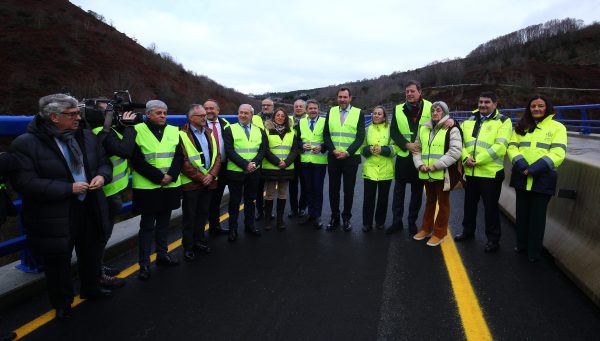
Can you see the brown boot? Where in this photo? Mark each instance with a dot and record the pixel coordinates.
(267, 214)
(280, 210)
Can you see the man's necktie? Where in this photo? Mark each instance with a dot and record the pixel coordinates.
(312, 125)
(247, 131)
(215, 132)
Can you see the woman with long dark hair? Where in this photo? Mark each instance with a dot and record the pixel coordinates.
(537, 147)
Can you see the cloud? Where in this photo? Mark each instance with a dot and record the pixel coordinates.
(266, 45)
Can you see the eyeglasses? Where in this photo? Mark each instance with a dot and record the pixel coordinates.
(71, 114)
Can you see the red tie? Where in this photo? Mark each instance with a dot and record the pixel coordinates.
(215, 133)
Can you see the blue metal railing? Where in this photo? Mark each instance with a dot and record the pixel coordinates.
(583, 125)
(11, 126)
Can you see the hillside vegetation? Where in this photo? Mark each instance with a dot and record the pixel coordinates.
(52, 45)
(536, 59)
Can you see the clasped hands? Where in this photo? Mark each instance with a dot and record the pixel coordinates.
(82, 187)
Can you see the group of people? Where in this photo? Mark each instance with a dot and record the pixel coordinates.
(72, 178)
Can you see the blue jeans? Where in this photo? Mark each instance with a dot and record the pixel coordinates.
(314, 177)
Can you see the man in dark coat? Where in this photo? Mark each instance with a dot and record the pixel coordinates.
(62, 171)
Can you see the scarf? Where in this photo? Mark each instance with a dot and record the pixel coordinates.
(279, 127)
(68, 137)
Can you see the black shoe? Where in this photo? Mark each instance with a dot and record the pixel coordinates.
(302, 213)
(412, 228)
(144, 273)
(63, 313)
(293, 213)
(95, 294)
(347, 225)
(111, 282)
(318, 224)
(217, 229)
(167, 260)
(308, 221)
(367, 228)
(253, 231)
(189, 256)
(491, 247)
(394, 228)
(109, 271)
(380, 227)
(461, 237)
(517, 249)
(333, 224)
(232, 235)
(202, 248)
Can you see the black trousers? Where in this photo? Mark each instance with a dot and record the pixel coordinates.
(531, 221)
(488, 189)
(153, 225)
(371, 196)
(295, 203)
(245, 187)
(314, 177)
(86, 237)
(260, 192)
(214, 210)
(339, 169)
(416, 198)
(194, 206)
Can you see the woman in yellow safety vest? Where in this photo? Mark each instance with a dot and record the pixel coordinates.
(278, 164)
(536, 149)
(438, 152)
(378, 170)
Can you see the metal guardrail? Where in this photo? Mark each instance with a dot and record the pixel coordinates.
(583, 125)
(11, 126)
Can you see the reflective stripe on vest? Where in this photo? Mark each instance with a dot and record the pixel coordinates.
(158, 154)
(378, 167)
(482, 143)
(432, 152)
(195, 156)
(246, 148)
(313, 138)
(404, 128)
(120, 172)
(343, 136)
(280, 148)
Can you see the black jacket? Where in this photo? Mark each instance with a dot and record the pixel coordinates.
(354, 146)
(280, 174)
(158, 199)
(233, 156)
(46, 184)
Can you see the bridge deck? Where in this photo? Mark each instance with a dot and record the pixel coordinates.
(303, 284)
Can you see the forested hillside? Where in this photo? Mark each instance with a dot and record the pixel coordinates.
(51, 45)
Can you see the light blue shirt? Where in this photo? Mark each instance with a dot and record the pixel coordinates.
(344, 113)
(201, 137)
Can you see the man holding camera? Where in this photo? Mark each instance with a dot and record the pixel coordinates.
(117, 135)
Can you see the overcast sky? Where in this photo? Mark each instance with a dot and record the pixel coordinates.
(274, 45)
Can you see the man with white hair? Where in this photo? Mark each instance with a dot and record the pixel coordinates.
(157, 161)
(62, 171)
(245, 145)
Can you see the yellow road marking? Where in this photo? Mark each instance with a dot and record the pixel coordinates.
(38, 322)
(469, 310)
